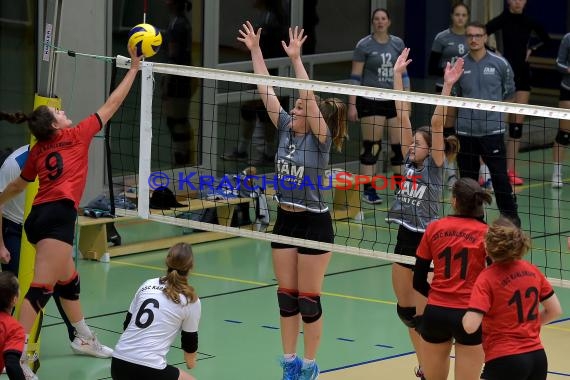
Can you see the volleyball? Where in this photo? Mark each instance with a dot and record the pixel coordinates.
(146, 39)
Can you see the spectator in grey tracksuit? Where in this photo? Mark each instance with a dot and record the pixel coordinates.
(563, 137)
(490, 77)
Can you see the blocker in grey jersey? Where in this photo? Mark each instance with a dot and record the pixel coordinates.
(418, 205)
(300, 167)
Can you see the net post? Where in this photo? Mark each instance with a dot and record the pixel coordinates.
(147, 84)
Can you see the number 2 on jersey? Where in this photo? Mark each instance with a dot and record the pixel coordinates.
(449, 258)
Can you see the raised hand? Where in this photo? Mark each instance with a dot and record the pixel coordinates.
(452, 74)
(135, 60)
(402, 62)
(296, 40)
(248, 36)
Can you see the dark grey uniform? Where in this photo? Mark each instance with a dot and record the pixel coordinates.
(415, 208)
(449, 46)
(300, 170)
(378, 72)
(562, 64)
(481, 133)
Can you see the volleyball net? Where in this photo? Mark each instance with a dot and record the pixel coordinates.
(194, 147)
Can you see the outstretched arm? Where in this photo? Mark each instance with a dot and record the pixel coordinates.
(14, 188)
(117, 97)
(403, 107)
(251, 40)
(452, 75)
(316, 121)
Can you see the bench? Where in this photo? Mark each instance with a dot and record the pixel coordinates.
(92, 232)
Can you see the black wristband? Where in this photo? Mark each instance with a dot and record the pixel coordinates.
(449, 132)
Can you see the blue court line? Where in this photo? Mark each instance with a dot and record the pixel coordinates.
(270, 327)
(560, 373)
(383, 346)
(559, 321)
(368, 362)
(345, 339)
(232, 321)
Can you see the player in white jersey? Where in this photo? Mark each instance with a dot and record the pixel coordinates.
(419, 195)
(161, 308)
(373, 66)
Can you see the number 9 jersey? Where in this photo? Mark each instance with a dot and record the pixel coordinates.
(61, 162)
(156, 321)
(508, 294)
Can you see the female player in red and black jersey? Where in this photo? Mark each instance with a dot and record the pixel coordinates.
(455, 244)
(506, 299)
(59, 160)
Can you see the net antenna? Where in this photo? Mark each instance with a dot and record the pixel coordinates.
(356, 238)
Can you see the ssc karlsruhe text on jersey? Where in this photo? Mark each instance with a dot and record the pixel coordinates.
(156, 321)
(379, 59)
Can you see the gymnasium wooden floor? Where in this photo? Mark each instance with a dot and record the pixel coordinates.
(239, 336)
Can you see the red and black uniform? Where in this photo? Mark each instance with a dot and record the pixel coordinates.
(509, 294)
(455, 244)
(12, 339)
(61, 166)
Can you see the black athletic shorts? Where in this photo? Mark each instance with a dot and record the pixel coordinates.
(407, 244)
(528, 366)
(52, 220)
(123, 370)
(442, 324)
(564, 94)
(308, 225)
(368, 107)
(522, 77)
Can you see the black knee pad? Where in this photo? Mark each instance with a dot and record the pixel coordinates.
(310, 308)
(288, 302)
(398, 157)
(38, 295)
(515, 130)
(563, 137)
(407, 315)
(69, 290)
(370, 152)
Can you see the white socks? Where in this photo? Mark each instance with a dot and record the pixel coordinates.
(83, 329)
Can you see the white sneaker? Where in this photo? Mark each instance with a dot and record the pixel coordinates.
(28, 373)
(557, 181)
(82, 345)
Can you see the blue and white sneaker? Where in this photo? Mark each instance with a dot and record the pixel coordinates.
(371, 197)
(291, 368)
(488, 186)
(309, 371)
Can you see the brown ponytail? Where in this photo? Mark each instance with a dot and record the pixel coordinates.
(40, 122)
(470, 198)
(179, 263)
(334, 112)
(9, 289)
(14, 118)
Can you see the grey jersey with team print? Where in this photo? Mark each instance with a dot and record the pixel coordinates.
(378, 60)
(563, 61)
(451, 46)
(418, 205)
(300, 167)
(490, 78)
